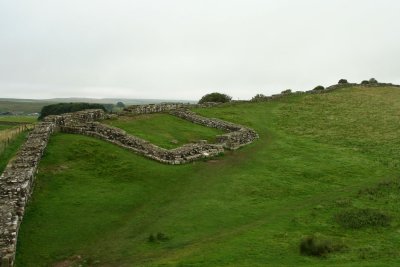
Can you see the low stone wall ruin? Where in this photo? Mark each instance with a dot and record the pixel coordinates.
(17, 180)
(180, 155)
(163, 107)
(16, 184)
(83, 116)
(236, 137)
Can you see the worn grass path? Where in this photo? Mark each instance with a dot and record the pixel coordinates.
(249, 207)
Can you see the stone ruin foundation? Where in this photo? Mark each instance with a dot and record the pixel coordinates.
(17, 180)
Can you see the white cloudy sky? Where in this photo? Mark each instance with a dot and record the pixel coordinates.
(183, 49)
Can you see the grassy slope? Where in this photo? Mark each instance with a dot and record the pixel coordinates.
(248, 208)
(162, 129)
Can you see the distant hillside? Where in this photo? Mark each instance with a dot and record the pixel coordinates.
(26, 106)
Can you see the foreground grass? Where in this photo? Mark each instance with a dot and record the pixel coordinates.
(250, 207)
(164, 130)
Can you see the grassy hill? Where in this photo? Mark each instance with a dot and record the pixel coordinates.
(325, 165)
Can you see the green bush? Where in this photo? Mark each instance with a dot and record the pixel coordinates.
(120, 104)
(57, 109)
(287, 91)
(365, 82)
(361, 218)
(318, 246)
(373, 81)
(215, 97)
(258, 98)
(343, 81)
(319, 88)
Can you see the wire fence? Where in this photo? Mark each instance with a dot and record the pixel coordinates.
(8, 135)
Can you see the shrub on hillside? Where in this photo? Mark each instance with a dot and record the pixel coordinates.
(61, 108)
(343, 81)
(319, 88)
(361, 218)
(120, 104)
(258, 98)
(215, 97)
(318, 246)
(372, 81)
(365, 82)
(287, 91)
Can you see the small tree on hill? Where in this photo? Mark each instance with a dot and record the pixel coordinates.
(365, 82)
(287, 91)
(343, 81)
(373, 81)
(215, 97)
(120, 105)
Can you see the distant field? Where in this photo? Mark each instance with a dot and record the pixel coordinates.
(18, 119)
(164, 130)
(324, 165)
(24, 107)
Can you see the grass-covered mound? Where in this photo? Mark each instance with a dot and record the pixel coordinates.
(97, 205)
(164, 130)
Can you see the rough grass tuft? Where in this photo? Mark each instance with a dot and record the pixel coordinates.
(318, 246)
(361, 218)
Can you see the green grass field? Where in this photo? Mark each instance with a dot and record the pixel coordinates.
(24, 107)
(319, 161)
(18, 119)
(164, 130)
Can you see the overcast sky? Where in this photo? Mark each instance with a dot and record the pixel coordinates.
(183, 49)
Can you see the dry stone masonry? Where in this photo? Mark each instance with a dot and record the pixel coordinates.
(236, 137)
(16, 185)
(163, 107)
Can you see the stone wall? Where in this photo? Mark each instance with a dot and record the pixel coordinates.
(180, 155)
(16, 185)
(83, 116)
(236, 137)
(163, 107)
